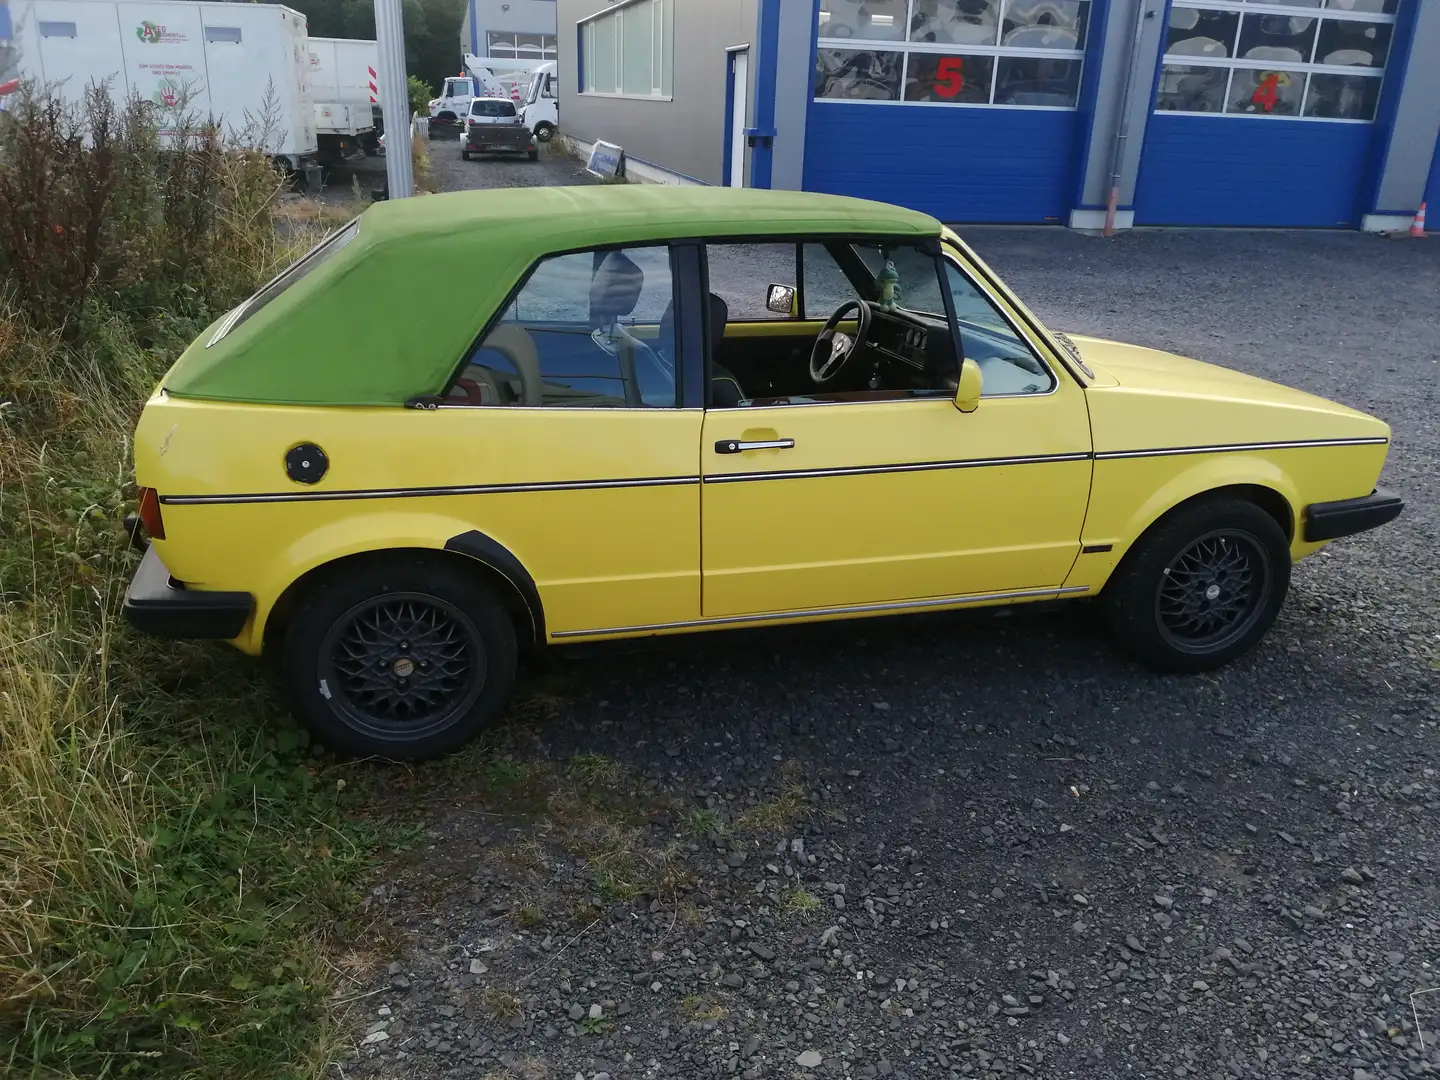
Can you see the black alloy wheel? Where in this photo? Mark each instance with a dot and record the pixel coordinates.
(1213, 591)
(1201, 586)
(400, 656)
(403, 665)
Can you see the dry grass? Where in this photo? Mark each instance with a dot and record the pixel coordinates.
(701, 1008)
(799, 901)
(776, 815)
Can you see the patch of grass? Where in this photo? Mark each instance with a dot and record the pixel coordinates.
(702, 824)
(595, 770)
(699, 1007)
(799, 901)
(598, 1025)
(500, 1004)
(775, 815)
(530, 916)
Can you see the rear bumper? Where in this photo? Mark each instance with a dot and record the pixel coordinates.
(157, 604)
(504, 144)
(1330, 520)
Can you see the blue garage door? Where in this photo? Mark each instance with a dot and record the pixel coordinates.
(1263, 117)
(952, 108)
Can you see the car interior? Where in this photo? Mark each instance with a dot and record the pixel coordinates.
(870, 346)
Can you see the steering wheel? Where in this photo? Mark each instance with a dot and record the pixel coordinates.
(833, 349)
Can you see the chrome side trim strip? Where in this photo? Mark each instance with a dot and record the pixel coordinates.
(1233, 448)
(426, 492)
(919, 466)
(858, 609)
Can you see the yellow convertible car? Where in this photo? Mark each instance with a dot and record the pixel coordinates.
(658, 410)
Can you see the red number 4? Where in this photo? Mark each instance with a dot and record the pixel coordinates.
(949, 80)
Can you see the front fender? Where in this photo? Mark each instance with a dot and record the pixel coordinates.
(1128, 495)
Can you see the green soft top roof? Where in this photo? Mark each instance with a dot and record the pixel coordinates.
(388, 316)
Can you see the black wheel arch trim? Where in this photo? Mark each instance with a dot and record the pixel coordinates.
(1346, 517)
(491, 553)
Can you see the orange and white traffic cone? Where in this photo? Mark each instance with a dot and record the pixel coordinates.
(1417, 227)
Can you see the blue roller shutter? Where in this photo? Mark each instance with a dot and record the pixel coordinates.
(954, 108)
(1264, 117)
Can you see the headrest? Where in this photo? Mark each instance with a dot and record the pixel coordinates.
(615, 288)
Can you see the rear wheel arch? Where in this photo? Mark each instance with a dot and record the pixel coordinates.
(472, 552)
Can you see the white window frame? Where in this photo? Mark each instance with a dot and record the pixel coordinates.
(662, 48)
(1229, 64)
(997, 51)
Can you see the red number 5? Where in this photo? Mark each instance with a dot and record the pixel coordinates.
(948, 78)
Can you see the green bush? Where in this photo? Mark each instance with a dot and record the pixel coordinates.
(420, 95)
(172, 860)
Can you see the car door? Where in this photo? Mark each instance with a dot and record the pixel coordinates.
(885, 493)
(580, 460)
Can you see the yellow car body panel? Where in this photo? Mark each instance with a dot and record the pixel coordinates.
(629, 524)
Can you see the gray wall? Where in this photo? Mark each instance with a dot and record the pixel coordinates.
(686, 134)
(525, 16)
(793, 83)
(1412, 141)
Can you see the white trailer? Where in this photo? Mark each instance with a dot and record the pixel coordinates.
(242, 64)
(343, 86)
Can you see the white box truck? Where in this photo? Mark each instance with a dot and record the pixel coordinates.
(220, 60)
(343, 86)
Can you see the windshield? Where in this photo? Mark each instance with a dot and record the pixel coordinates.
(533, 95)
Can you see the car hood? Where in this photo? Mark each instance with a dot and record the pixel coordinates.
(1155, 398)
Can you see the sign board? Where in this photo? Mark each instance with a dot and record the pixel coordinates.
(606, 159)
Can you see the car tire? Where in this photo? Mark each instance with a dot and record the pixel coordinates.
(545, 132)
(1201, 586)
(533, 155)
(400, 658)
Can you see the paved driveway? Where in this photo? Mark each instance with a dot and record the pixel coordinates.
(982, 846)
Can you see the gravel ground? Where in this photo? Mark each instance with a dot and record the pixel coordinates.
(980, 846)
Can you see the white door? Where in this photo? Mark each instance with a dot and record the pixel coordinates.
(740, 105)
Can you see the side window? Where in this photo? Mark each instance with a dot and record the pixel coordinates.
(1007, 363)
(590, 329)
(826, 286)
(741, 274)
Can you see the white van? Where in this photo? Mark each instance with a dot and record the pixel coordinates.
(541, 111)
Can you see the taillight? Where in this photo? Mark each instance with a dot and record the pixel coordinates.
(150, 514)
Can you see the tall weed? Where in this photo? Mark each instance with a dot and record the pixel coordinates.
(171, 860)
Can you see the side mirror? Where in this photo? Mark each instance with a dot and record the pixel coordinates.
(781, 299)
(967, 395)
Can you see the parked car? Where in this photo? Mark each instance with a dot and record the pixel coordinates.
(592, 448)
(495, 126)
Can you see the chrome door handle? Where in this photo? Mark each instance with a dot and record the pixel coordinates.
(736, 446)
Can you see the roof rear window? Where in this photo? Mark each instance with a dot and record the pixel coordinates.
(492, 107)
(286, 278)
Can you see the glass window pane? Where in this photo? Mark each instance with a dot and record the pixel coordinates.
(1282, 38)
(1378, 7)
(1037, 80)
(1187, 88)
(587, 49)
(636, 50)
(1045, 24)
(740, 274)
(1195, 32)
(875, 20)
(1268, 93)
(851, 73)
(962, 79)
(586, 329)
(1290, 3)
(966, 22)
(1007, 364)
(1342, 97)
(1356, 44)
(826, 286)
(667, 46)
(604, 69)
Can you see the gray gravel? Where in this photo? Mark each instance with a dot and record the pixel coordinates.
(1011, 851)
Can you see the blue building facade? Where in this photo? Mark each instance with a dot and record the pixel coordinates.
(1292, 113)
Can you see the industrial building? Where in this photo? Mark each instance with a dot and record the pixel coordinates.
(1299, 113)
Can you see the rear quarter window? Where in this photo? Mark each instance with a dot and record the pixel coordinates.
(316, 256)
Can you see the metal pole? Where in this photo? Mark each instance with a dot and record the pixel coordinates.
(394, 98)
(1122, 130)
